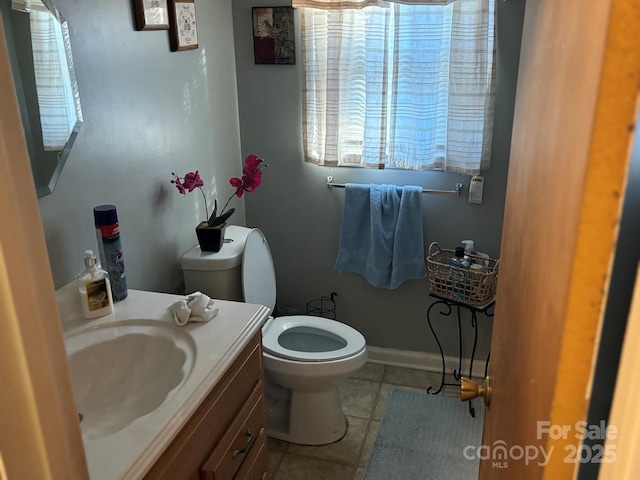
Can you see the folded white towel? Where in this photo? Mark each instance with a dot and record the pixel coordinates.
(196, 307)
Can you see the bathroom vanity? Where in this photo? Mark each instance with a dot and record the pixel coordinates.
(162, 401)
(226, 437)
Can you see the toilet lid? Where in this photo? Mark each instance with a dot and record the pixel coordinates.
(311, 339)
(258, 274)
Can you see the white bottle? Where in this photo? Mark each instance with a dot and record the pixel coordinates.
(94, 288)
(483, 259)
(468, 250)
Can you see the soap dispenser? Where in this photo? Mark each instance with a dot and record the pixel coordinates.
(94, 288)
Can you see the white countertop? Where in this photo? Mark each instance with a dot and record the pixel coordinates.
(130, 452)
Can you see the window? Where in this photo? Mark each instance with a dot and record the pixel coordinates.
(407, 85)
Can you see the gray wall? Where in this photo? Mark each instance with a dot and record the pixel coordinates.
(301, 217)
(148, 112)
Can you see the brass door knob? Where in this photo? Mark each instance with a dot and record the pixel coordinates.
(470, 390)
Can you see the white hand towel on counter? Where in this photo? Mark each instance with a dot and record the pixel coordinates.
(196, 307)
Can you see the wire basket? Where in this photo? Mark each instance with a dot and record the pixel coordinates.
(323, 307)
(475, 288)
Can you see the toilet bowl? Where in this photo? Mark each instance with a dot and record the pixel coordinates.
(305, 357)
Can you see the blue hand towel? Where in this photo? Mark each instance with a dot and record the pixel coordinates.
(381, 235)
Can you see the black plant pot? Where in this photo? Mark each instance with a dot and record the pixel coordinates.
(210, 238)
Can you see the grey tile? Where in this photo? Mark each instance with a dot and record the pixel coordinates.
(359, 475)
(434, 379)
(276, 445)
(274, 462)
(296, 467)
(345, 450)
(408, 377)
(381, 404)
(358, 397)
(374, 426)
(451, 391)
(449, 378)
(370, 371)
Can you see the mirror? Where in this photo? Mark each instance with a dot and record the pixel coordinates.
(37, 37)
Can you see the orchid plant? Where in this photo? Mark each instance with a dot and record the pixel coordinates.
(251, 179)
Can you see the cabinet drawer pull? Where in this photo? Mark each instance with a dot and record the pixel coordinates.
(246, 445)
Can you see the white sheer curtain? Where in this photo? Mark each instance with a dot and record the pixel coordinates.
(406, 85)
(58, 114)
(345, 4)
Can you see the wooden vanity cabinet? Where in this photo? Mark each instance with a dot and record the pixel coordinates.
(225, 439)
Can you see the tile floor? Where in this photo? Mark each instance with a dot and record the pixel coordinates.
(364, 398)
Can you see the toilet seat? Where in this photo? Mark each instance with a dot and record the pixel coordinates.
(259, 286)
(337, 333)
(258, 273)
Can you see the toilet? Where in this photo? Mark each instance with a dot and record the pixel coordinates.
(305, 357)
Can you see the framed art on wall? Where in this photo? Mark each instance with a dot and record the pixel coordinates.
(151, 14)
(273, 35)
(183, 34)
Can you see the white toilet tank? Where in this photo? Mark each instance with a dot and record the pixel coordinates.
(217, 274)
(242, 270)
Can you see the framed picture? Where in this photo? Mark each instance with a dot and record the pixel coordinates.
(183, 34)
(273, 36)
(151, 14)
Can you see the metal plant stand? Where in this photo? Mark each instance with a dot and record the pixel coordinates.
(447, 307)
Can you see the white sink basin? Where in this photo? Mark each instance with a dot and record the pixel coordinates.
(126, 369)
(138, 377)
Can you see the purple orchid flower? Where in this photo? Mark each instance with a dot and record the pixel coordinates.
(251, 179)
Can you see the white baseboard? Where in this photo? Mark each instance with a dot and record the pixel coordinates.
(423, 360)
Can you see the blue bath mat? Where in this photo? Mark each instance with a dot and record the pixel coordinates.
(423, 437)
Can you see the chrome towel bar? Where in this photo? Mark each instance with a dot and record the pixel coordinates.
(455, 192)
